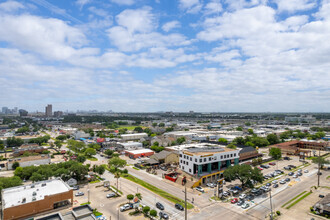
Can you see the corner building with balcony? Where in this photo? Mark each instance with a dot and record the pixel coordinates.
(207, 163)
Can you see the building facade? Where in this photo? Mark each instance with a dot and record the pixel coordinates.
(49, 110)
(28, 200)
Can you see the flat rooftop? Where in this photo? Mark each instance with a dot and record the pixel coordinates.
(195, 145)
(141, 151)
(14, 196)
(132, 135)
(208, 150)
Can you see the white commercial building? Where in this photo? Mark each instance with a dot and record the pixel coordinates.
(203, 158)
(29, 161)
(137, 136)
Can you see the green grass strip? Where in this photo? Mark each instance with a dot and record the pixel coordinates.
(293, 199)
(298, 200)
(156, 190)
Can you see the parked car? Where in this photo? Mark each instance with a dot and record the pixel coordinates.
(299, 171)
(163, 215)
(110, 195)
(286, 158)
(225, 193)
(292, 166)
(163, 168)
(160, 206)
(80, 194)
(240, 202)
(260, 168)
(321, 196)
(199, 188)
(75, 188)
(264, 166)
(291, 174)
(275, 185)
(272, 163)
(282, 182)
(299, 174)
(234, 200)
(295, 176)
(274, 181)
(245, 205)
(249, 197)
(178, 206)
(306, 171)
(279, 171)
(125, 207)
(242, 196)
(287, 168)
(287, 179)
(268, 184)
(319, 173)
(211, 185)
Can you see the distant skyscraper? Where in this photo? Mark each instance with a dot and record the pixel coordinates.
(15, 110)
(23, 112)
(49, 111)
(4, 110)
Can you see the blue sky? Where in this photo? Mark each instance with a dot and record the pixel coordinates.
(137, 55)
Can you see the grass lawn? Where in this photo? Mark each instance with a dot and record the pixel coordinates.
(158, 191)
(298, 200)
(130, 127)
(293, 199)
(117, 190)
(95, 181)
(135, 168)
(85, 203)
(92, 158)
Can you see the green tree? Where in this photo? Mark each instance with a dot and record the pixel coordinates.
(117, 176)
(61, 137)
(161, 124)
(250, 131)
(223, 140)
(157, 148)
(15, 165)
(94, 146)
(108, 152)
(24, 129)
(239, 128)
(14, 142)
(116, 162)
(244, 173)
(58, 144)
(320, 160)
(231, 146)
(7, 182)
(139, 196)
(239, 141)
(2, 146)
(81, 159)
(130, 197)
(36, 177)
(154, 124)
(275, 153)
(180, 140)
(259, 141)
(169, 129)
(146, 210)
(90, 152)
(272, 139)
(138, 129)
(247, 124)
(99, 169)
(249, 143)
(153, 213)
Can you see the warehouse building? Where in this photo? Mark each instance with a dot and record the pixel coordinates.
(23, 201)
(29, 161)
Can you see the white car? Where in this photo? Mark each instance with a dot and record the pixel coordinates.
(305, 171)
(274, 182)
(111, 195)
(210, 185)
(125, 207)
(198, 188)
(102, 218)
(245, 206)
(80, 194)
(242, 196)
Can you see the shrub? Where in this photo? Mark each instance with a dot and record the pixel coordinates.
(278, 213)
(125, 171)
(311, 208)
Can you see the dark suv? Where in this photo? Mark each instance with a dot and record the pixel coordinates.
(160, 206)
(178, 206)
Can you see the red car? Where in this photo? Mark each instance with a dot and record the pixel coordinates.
(234, 200)
(260, 168)
(272, 163)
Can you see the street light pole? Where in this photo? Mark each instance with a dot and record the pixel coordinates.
(185, 202)
(318, 172)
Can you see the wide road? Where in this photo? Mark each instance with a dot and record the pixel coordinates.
(263, 209)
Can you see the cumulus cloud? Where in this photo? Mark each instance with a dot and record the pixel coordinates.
(123, 2)
(190, 6)
(295, 5)
(10, 6)
(171, 25)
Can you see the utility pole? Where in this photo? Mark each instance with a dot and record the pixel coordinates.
(185, 202)
(318, 172)
(271, 206)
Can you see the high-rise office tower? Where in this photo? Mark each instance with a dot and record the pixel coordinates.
(49, 111)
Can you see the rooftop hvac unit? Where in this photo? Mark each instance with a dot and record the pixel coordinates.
(44, 184)
(32, 186)
(34, 198)
(23, 200)
(34, 193)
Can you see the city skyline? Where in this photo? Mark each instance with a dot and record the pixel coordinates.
(148, 56)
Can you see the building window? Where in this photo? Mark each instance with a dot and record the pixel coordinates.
(225, 156)
(180, 161)
(200, 160)
(234, 154)
(183, 167)
(210, 158)
(189, 170)
(190, 158)
(221, 157)
(231, 155)
(187, 163)
(184, 156)
(180, 155)
(215, 158)
(196, 160)
(204, 159)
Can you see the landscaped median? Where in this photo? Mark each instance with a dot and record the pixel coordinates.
(156, 190)
(296, 199)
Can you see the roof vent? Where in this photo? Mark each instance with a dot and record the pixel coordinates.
(34, 193)
(32, 186)
(23, 200)
(34, 198)
(44, 184)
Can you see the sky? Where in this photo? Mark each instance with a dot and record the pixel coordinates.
(166, 55)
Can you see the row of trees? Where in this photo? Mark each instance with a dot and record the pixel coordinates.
(40, 140)
(252, 141)
(65, 170)
(244, 173)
